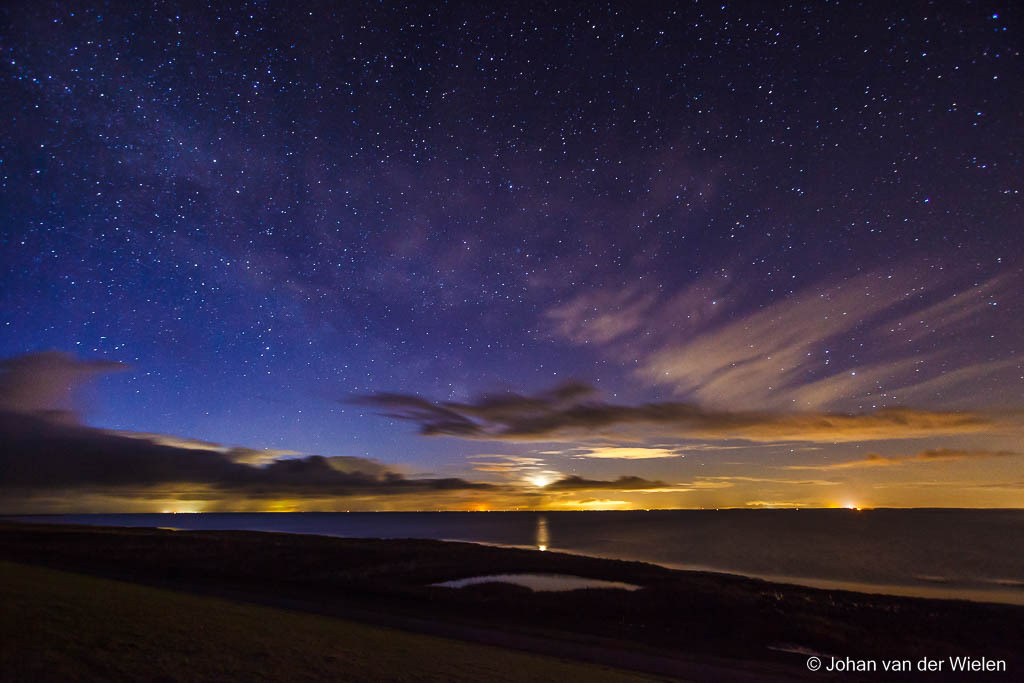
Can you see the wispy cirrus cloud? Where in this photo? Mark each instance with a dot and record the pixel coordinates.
(883, 339)
(619, 452)
(526, 470)
(926, 456)
(252, 456)
(600, 318)
(505, 463)
(1000, 485)
(956, 484)
(731, 480)
(795, 352)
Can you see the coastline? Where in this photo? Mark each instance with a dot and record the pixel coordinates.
(677, 619)
(924, 583)
(1009, 596)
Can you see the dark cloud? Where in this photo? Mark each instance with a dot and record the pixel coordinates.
(624, 483)
(45, 382)
(40, 454)
(567, 413)
(467, 419)
(960, 454)
(43, 448)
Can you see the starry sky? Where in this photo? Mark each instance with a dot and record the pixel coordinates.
(576, 256)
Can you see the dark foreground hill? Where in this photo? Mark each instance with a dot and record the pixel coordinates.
(695, 625)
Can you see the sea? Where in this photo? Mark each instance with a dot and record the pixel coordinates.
(939, 553)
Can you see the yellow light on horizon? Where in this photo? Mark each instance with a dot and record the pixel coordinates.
(191, 510)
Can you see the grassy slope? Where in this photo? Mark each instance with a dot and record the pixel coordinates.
(702, 623)
(60, 626)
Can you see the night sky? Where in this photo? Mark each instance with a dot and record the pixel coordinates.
(576, 257)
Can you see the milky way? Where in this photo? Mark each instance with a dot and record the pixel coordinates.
(267, 209)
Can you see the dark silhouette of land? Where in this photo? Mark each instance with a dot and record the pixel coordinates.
(695, 625)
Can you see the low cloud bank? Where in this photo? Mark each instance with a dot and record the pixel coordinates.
(43, 447)
(40, 454)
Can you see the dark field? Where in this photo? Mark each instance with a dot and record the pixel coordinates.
(686, 624)
(63, 626)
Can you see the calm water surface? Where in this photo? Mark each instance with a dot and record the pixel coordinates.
(970, 554)
(541, 582)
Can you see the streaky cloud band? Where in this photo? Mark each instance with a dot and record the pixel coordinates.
(567, 413)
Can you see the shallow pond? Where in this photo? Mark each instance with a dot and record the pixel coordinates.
(541, 582)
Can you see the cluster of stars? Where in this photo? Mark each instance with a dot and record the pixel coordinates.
(266, 209)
